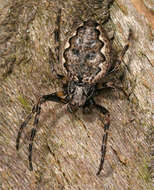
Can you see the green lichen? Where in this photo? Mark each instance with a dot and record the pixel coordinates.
(24, 103)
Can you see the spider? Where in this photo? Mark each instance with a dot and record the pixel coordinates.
(86, 60)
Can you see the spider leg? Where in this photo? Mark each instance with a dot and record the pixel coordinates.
(37, 109)
(52, 61)
(55, 97)
(126, 46)
(109, 85)
(104, 111)
(55, 57)
(21, 129)
(57, 33)
(122, 53)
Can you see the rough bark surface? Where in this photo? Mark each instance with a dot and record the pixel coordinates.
(66, 150)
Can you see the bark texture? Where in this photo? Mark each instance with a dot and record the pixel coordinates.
(66, 152)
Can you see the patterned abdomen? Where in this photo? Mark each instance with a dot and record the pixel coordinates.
(84, 57)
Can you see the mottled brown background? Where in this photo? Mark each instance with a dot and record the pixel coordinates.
(66, 151)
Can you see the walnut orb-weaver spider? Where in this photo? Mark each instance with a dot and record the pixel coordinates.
(86, 60)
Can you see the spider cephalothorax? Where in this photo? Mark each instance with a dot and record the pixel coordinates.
(79, 94)
(86, 59)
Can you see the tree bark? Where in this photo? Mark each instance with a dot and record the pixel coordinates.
(67, 147)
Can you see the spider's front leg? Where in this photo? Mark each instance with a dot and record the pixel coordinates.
(55, 97)
(103, 111)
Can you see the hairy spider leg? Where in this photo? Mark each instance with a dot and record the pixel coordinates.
(55, 97)
(57, 38)
(53, 60)
(57, 59)
(21, 129)
(109, 85)
(122, 53)
(126, 46)
(57, 29)
(104, 111)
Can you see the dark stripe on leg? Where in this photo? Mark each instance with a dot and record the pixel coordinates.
(33, 133)
(23, 125)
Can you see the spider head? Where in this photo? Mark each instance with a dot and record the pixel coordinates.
(78, 93)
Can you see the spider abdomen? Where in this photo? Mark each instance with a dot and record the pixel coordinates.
(87, 57)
